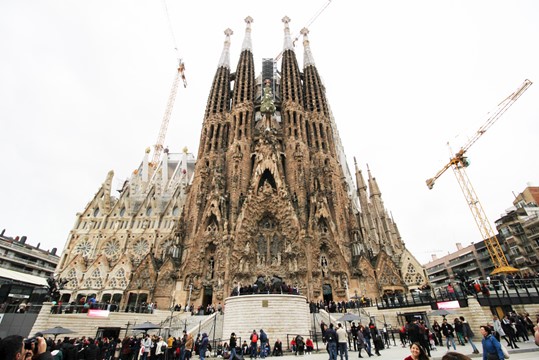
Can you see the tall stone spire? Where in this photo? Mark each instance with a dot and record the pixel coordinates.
(245, 73)
(247, 43)
(288, 44)
(215, 130)
(225, 55)
(241, 121)
(307, 53)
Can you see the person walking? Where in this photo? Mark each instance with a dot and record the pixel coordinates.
(361, 342)
(342, 337)
(492, 349)
(468, 334)
(449, 334)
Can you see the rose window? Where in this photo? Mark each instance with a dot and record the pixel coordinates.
(84, 248)
(112, 248)
(140, 247)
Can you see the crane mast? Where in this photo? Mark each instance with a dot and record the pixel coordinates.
(158, 147)
(459, 162)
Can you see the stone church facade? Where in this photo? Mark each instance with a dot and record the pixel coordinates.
(269, 199)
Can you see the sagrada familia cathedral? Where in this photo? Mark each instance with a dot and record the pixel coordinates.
(268, 200)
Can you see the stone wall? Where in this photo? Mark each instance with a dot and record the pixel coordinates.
(278, 315)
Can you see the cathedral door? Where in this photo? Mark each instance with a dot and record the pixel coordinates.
(328, 293)
(208, 296)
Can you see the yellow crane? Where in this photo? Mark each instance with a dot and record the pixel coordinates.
(459, 162)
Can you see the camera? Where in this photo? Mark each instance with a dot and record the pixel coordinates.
(29, 343)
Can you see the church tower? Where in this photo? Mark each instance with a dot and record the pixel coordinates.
(269, 203)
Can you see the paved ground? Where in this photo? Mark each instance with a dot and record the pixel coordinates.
(527, 351)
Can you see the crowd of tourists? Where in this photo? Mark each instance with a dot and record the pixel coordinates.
(339, 306)
(513, 328)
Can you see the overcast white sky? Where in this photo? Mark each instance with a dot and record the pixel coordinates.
(84, 85)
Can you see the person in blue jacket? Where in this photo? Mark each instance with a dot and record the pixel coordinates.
(492, 349)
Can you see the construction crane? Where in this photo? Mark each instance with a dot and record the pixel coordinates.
(315, 16)
(158, 147)
(459, 162)
(180, 74)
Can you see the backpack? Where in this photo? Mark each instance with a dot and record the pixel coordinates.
(163, 348)
(254, 338)
(263, 337)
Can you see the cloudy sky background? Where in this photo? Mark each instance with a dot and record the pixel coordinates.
(84, 85)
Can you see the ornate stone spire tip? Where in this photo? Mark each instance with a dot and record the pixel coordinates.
(248, 20)
(229, 32)
(304, 31)
(286, 20)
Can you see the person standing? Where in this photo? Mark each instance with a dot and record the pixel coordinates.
(146, 344)
(189, 343)
(13, 348)
(458, 331)
(353, 332)
(451, 292)
(331, 338)
(203, 346)
(468, 334)
(160, 348)
(254, 344)
(437, 329)
(417, 353)
(263, 343)
(507, 327)
(449, 334)
(233, 343)
(342, 338)
(492, 349)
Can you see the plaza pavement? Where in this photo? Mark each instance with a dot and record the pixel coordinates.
(527, 351)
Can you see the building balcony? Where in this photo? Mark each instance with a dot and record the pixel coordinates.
(438, 278)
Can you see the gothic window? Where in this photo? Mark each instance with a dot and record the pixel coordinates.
(84, 248)
(72, 277)
(88, 283)
(149, 211)
(411, 269)
(96, 212)
(96, 273)
(212, 224)
(120, 273)
(419, 279)
(113, 283)
(176, 211)
(409, 279)
(122, 211)
(98, 283)
(323, 226)
(111, 249)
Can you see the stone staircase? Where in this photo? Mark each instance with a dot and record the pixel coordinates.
(82, 325)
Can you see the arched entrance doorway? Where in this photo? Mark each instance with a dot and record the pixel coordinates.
(327, 292)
